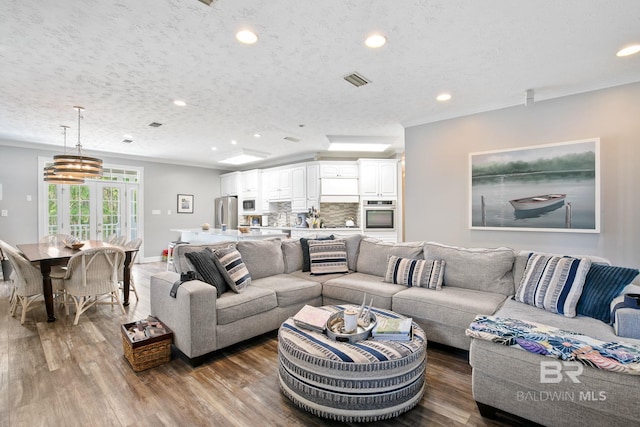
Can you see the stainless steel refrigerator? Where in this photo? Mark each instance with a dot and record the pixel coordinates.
(226, 212)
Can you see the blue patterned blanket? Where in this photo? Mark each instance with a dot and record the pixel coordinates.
(557, 343)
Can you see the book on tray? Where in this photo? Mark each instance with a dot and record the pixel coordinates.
(313, 318)
(393, 329)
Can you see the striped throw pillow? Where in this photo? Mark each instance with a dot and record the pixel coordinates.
(234, 271)
(553, 283)
(328, 256)
(415, 272)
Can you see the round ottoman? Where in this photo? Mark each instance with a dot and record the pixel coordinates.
(365, 381)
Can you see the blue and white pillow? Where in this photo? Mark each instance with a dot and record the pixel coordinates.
(328, 256)
(553, 283)
(415, 272)
(233, 269)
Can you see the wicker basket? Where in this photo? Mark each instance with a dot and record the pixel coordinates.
(147, 353)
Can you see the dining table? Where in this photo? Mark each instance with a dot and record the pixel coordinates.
(50, 254)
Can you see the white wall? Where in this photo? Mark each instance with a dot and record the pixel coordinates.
(19, 177)
(437, 171)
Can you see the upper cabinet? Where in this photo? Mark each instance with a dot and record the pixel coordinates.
(229, 184)
(338, 170)
(379, 178)
(313, 185)
(298, 189)
(279, 185)
(249, 184)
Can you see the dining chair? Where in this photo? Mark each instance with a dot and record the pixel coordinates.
(92, 276)
(120, 240)
(132, 244)
(54, 239)
(110, 238)
(27, 281)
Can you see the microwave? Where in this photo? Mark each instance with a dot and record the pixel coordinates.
(249, 205)
(379, 215)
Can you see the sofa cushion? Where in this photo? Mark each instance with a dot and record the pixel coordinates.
(374, 253)
(328, 257)
(262, 257)
(352, 288)
(292, 254)
(206, 267)
(353, 247)
(304, 243)
(415, 272)
(450, 306)
(232, 306)
(229, 261)
(318, 279)
(553, 283)
(602, 284)
(290, 289)
(481, 269)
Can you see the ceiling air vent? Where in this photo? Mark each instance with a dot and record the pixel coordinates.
(292, 139)
(127, 141)
(356, 79)
(155, 124)
(208, 2)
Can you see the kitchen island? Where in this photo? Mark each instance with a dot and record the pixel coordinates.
(198, 235)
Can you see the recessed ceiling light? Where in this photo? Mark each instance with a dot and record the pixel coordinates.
(257, 135)
(179, 103)
(629, 50)
(246, 37)
(443, 97)
(214, 148)
(375, 41)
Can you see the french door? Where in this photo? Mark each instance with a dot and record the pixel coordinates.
(93, 210)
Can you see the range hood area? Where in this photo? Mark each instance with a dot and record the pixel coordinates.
(339, 190)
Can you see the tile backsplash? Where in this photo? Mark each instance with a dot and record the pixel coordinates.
(332, 214)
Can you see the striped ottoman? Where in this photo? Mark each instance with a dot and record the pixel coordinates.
(360, 382)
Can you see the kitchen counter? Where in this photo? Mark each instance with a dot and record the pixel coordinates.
(198, 235)
(331, 229)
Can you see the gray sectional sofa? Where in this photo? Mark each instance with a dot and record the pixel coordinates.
(476, 281)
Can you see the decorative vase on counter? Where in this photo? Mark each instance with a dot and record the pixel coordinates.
(205, 226)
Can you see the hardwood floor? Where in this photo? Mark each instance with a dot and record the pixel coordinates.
(57, 374)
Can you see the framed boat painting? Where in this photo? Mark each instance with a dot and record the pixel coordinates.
(551, 187)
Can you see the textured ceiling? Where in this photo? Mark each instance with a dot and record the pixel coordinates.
(126, 61)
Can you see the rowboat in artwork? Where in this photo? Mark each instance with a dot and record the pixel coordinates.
(537, 202)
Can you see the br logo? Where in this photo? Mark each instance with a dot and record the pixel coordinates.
(555, 371)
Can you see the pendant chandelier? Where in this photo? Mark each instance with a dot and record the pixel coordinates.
(77, 165)
(51, 177)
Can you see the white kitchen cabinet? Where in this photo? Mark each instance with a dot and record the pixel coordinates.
(249, 184)
(299, 189)
(379, 178)
(229, 184)
(338, 169)
(313, 186)
(279, 185)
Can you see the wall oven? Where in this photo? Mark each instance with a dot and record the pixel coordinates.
(379, 215)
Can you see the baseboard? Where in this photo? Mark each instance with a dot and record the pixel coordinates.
(151, 259)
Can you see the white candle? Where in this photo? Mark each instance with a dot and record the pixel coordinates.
(350, 320)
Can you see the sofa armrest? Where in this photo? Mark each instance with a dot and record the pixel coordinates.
(191, 315)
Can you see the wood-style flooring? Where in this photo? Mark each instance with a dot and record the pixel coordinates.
(57, 374)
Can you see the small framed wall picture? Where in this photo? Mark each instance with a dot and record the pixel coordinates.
(185, 203)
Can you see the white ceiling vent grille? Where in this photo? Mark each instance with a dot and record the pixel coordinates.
(208, 2)
(292, 139)
(155, 124)
(356, 79)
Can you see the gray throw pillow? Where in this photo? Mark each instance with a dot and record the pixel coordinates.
(206, 268)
